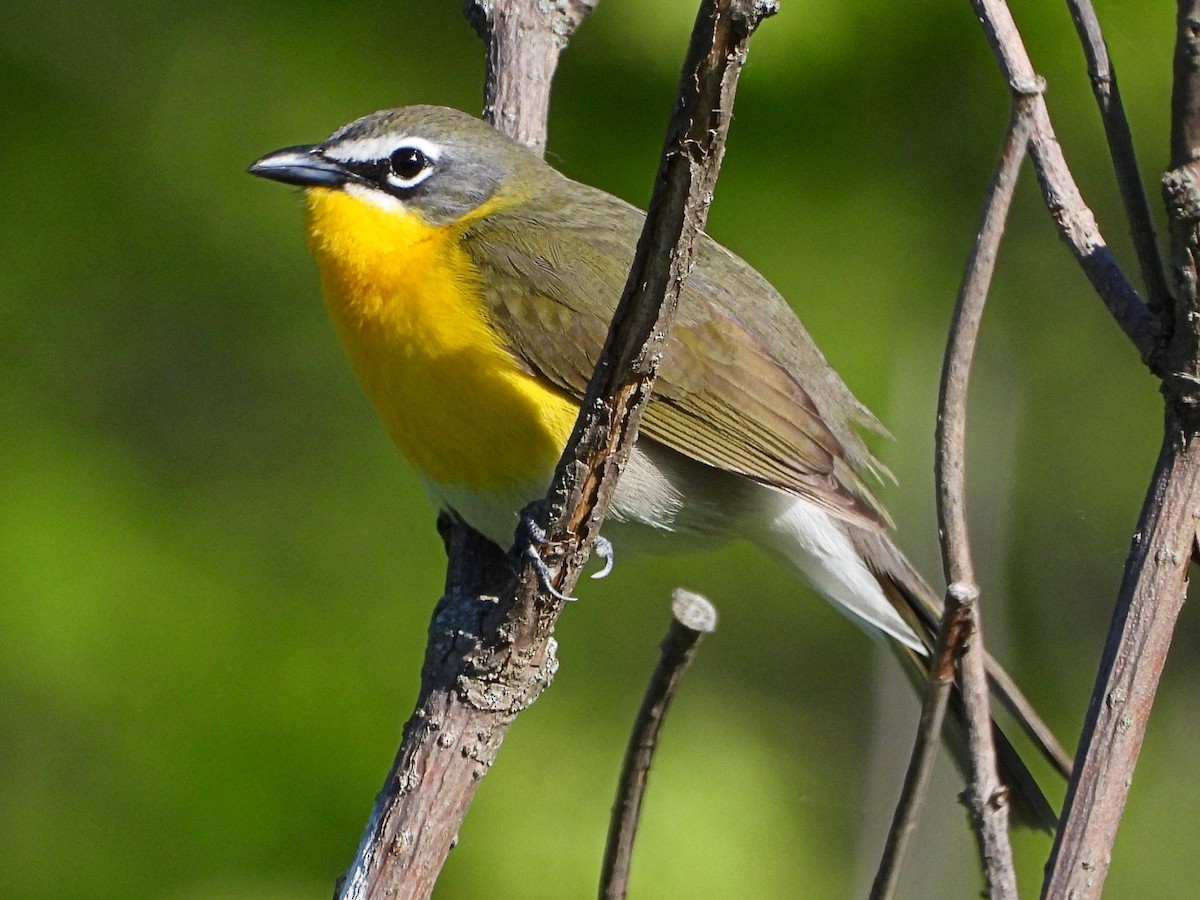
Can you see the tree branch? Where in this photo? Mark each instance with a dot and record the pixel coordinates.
(524, 39)
(960, 630)
(1152, 594)
(491, 649)
(1076, 222)
(624, 377)
(1120, 147)
(470, 694)
(1156, 577)
(692, 617)
(959, 639)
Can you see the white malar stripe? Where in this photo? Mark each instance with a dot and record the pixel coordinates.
(380, 198)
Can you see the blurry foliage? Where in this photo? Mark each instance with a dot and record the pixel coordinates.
(215, 575)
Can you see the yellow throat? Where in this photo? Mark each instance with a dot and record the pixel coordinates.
(407, 302)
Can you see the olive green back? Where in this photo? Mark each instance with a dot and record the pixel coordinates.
(741, 387)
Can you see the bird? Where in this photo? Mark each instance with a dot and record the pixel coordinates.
(472, 285)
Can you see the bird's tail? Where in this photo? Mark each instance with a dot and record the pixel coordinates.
(919, 606)
(866, 577)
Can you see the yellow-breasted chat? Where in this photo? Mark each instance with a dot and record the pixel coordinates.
(472, 286)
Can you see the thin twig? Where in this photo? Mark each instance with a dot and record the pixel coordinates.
(1120, 147)
(958, 633)
(693, 616)
(961, 622)
(916, 780)
(491, 649)
(1156, 572)
(1076, 222)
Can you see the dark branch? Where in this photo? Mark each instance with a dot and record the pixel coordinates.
(1076, 222)
(1185, 95)
(624, 377)
(1120, 147)
(693, 616)
(916, 781)
(959, 637)
(491, 650)
(1156, 572)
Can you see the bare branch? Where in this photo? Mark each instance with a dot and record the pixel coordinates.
(959, 637)
(1152, 595)
(1181, 191)
(621, 385)
(960, 352)
(470, 694)
(916, 780)
(524, 39)
(1156, 576)
(1120, 147)
(1006, 692)
(1185, 97)
(491, 649)
(1076, 222)
(693, 616)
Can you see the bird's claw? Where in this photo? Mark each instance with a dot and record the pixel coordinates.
(532, 536)
(543, 574)
(603, 548)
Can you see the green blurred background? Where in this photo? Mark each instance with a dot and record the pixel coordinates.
(216, 574)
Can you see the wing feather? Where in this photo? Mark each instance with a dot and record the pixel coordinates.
(742, 387)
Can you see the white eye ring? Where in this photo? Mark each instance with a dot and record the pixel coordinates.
(408, 167)
(411, 162)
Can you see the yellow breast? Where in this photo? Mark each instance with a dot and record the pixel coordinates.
(407, 303)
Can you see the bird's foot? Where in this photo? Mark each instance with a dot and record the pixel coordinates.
(531, 537)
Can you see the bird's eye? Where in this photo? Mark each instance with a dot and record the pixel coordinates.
(408, 163)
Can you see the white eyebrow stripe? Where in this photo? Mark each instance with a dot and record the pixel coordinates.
(376, 148)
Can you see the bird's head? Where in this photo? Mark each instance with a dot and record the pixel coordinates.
(439, 163)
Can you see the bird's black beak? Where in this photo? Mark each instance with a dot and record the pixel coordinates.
(304, 166)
